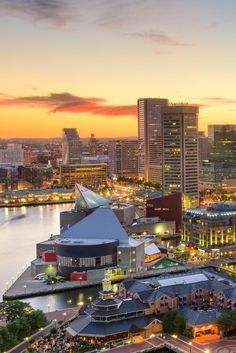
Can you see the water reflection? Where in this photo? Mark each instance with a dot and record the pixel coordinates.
(20, 230)
(63, 300)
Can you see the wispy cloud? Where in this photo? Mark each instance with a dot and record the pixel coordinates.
(57, 12)
(219, 100)
(209, 102)
(67, 102)
(160, 39)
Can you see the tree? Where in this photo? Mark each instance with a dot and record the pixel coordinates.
(227, 322)
(13, 310)
(25, 329)
(36, 319)
(14, 327)
(174, 322)
(179, 322)
(7, 340)
(188, 332)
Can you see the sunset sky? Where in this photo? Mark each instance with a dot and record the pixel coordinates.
(84, 63)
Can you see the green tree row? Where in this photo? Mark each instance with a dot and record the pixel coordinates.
(174, 322)
(21, 321)
(227, 322)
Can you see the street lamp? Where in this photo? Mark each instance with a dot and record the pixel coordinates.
(49, 307)
(64, 314)
(190, 346)
(25, 287)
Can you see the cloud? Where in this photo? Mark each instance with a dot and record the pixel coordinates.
(57, 12)
(209, 102)
(67, 102)
(219, 100)
(160, 39)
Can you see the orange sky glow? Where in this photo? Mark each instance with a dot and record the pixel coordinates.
(81, 64)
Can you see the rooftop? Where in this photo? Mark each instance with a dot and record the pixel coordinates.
(199, 317)
(85, 198)
(215, 210)
(38, 192)
(102, 223)
(80, 242)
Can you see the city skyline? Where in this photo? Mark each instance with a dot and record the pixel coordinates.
(84, 65)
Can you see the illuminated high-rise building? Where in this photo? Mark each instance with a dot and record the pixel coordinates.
(150, 138)
(202, 146)
(123, 158)
(71, 146)
(180, 150)
(221, 164)
(222, 144)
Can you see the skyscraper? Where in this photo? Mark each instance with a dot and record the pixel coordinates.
(180, 150)
(202, 146)
(123, 158)
(221, 154)
(150, 138)
(71, 146)
(13, 154)
(222, 144)
(93, 145)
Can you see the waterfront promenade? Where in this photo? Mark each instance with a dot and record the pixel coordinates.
(25, 286)
(54, 318)
(179, 345)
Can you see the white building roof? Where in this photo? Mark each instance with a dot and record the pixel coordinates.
(85, 198)
(131, 243)
(185, 279)
(152, 249)
(102, 223)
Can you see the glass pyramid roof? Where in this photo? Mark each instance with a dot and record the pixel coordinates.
(85, 198)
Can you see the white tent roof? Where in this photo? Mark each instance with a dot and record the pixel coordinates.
(102, 223)
(151, 249)
(185, 279)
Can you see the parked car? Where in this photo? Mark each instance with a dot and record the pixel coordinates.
(41, 276)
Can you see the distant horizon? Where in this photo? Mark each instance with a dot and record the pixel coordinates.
(60, 137)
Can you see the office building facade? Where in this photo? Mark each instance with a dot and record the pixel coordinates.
(180, 151)
(212, 229)
(202, 146)
(222, 151)
(150, 138)
(93, 146)
(12, 154)
(71, 146)
(123, 158)
(92, 175)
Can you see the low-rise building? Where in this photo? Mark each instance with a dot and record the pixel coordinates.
(138, 307)
(91, 175)
(212, 229)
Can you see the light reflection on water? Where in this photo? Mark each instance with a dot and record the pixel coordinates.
(20, 230)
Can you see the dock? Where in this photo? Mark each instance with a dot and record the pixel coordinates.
(25, 286)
